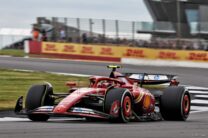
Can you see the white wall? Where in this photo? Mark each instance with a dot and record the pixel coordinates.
(7, 40)
(12, 35)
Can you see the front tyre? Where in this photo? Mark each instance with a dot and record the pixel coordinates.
(175, 103)
(37, 96)
(118, 103)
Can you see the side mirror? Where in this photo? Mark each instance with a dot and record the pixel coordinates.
(174, 82)
(71, 84)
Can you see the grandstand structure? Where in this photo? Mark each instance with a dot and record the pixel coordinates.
(185, 18)
(96, 30)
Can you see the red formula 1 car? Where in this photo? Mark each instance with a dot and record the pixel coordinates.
(118, 98)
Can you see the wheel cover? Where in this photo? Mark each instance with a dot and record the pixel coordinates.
(127, 107)
(186, 104)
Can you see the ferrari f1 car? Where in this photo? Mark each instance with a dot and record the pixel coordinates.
(118, 98)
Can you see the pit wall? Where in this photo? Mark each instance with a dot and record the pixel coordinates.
(113, 53)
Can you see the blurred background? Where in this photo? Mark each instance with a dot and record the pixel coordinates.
(176, 24)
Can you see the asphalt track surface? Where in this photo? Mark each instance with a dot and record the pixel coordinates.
(196, 126)
(190, 76)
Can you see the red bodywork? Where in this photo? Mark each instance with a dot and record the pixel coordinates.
(144, 101)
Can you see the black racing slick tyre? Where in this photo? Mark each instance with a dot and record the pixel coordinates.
(38, 95)
(118, 103)
(175, 103)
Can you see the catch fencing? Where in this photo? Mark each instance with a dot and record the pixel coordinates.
(115, 32)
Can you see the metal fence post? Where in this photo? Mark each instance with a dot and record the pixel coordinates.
(178, 19)
(66, 29)
(54, 35)
(1, 41)
(78, 31)
(91, 28)
(178, 22)
(117, 31)
(104, 29)
(133, 33)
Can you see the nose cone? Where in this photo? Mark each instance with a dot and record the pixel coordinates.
(60, 109)
(72, 99)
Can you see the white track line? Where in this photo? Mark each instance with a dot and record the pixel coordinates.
(199, 101)
(70, 74)
(164, 63)
(198, 109)
(5, 56)
(58, 73)
(195, 87)
(198, 92)
(12, 119)
(201, 96)
(23, 70)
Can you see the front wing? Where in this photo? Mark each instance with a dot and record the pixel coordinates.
(73, 112)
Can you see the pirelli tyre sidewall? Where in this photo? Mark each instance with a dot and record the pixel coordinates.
(175, 103)
(118, 103)
(38, 95)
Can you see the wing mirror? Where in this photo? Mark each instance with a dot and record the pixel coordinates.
(71, 84)
(174, 82)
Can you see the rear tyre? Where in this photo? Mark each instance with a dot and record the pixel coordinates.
(38, 95)
(175, 103)
(118, 103)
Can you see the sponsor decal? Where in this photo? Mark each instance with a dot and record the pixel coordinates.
(82, 110)
(168, 55)
(138, 53)
(137, 76)
(45, 109)
(148, 77)
(157, 77)
(69, 48)
(106, 51)
(79, 110)
(87, 50)
(122, 52)
(198, 56)
(51, 47)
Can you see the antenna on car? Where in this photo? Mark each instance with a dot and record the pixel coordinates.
(113, 67)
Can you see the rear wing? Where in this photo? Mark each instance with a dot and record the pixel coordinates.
(145, 78)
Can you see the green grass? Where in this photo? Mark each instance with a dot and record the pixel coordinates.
(13, 52)
(14, 84)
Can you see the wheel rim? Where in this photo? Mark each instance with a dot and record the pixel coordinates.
(115, 108)
(127, 106)
(186, 104)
